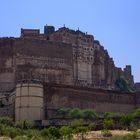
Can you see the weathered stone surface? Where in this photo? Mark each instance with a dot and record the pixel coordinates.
(81, 68)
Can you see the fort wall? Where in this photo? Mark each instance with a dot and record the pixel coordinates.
(56, 97)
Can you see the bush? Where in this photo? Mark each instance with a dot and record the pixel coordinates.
(77, 123)
(11, 132)
(66, 132)
(54, 132)
(32, 132)
(75, 113)
(92, 126)
(107, 123)
(108, 115)
(64, 112)
(106, 133)
(88, 113)
(82, 130)
(126, 120)
(25, 124)
(136, 113)
(6, 121)
(44, 132)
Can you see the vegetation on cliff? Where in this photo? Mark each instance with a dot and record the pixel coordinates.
(123, 85)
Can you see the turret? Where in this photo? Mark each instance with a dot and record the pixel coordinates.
(48, 30)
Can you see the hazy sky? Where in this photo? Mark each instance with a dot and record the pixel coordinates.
(115, 23)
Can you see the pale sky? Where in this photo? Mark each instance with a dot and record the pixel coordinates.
(115, 23)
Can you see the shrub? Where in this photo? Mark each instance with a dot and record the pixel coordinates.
(66, 132)
(32, 132)
(25, 124)
(75, 113)
(126, 120)
(77, 123)
(92, 126)
(106, 133)
(11, 132)
(82, 130)
(6, 121)
(44, 132)
(136, 113)
(64, 112)
(88, 113)
(133, 127)
(107, 123)
(54, 132)
(108, 115)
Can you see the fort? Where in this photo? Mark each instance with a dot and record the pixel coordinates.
(43, 72)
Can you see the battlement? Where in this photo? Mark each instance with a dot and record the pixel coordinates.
(30, 32)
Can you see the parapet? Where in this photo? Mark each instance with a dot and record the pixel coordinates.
(30, 32)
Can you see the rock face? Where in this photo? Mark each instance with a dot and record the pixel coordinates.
(64, 56)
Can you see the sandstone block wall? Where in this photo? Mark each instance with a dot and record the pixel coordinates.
(56, 97)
